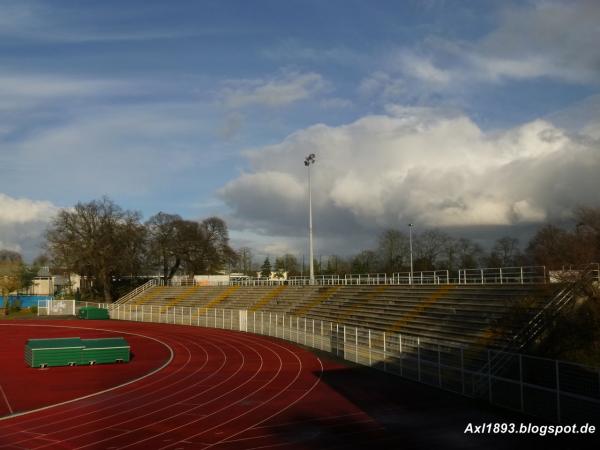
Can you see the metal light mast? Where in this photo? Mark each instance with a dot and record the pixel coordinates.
(308, 161)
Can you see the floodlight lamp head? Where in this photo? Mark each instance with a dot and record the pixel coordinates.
(310, 159)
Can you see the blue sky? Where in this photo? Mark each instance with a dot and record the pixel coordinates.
(449, 114)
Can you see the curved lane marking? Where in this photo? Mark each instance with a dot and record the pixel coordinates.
(45, 408)
(193, 408)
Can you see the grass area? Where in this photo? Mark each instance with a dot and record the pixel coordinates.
(25, 313)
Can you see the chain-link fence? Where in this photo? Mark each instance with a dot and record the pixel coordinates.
(553, 390)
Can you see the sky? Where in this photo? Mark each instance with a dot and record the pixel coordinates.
(478, 118)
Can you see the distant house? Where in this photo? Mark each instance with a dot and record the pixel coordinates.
(47, 283)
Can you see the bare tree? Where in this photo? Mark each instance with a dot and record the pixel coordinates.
(430, 245)
(287, 263)
(365, 262)
(220, 254)
(505, 253)
(163, 243)
(99, 240)
(244, 260)
(392, 250)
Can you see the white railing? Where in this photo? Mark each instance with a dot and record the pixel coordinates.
(554, 390)
(499, 275)
(503, 275)
(137, 291)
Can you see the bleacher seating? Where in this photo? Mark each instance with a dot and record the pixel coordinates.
(462, 314)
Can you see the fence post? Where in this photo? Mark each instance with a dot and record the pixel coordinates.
(322, 337)
(276, 317)
(521, 274)
(198, 316)
(481, 270)
(500, 275)
(254, 322)
(337, 335)
(313, 333)
(305, 331)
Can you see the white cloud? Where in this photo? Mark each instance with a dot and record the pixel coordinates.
(22, 223)
(422, 68)
(416, 164)
(272, 92)
(23, 210)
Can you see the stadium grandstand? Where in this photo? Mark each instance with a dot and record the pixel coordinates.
(466, 333)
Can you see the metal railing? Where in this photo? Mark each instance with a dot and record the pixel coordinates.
(138, 290)
(503, 275)
(498, 275)
(551, 389)
(539, 322)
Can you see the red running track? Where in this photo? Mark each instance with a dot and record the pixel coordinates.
(199, 388)
(221, 389)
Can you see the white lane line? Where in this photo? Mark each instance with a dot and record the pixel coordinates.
(300, 369)
(160, 400)
(112, 405)
(158, 369)
(243, 364)
(6, 400)
(289, 405)
(134, 399)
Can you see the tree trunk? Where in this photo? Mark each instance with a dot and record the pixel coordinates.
(106, 289)
(174, 268)
(5, 302)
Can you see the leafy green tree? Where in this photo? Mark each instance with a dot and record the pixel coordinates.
(11, 278)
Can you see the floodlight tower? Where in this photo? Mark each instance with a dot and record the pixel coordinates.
(310, 159)
(410, 227)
